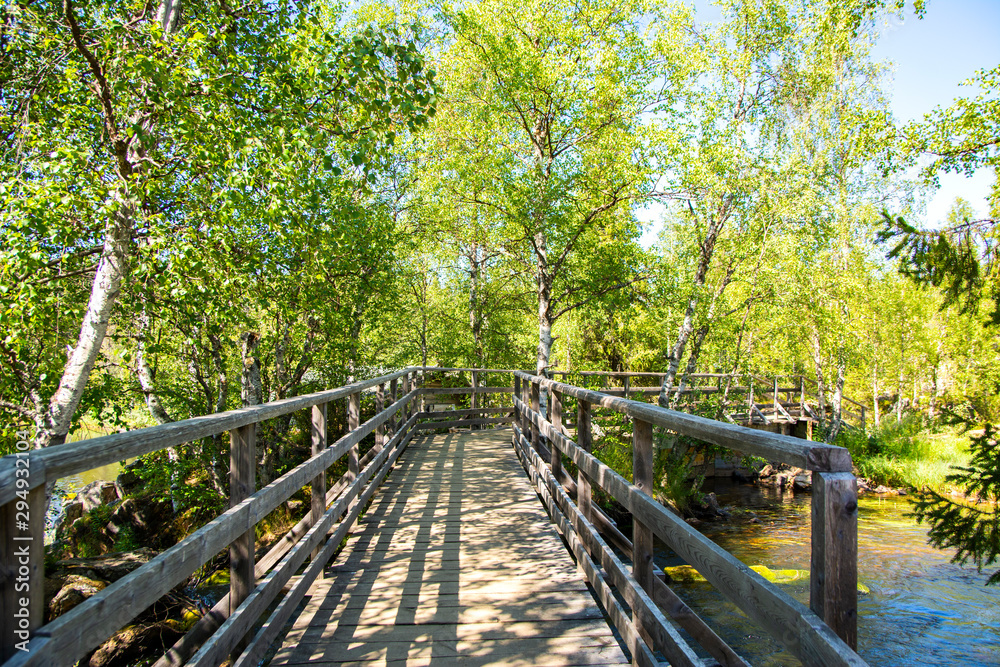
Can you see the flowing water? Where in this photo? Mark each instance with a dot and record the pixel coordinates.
(922, 609)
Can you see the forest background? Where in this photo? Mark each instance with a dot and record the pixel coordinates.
(207, 206)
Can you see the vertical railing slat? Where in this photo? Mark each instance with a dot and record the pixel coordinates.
(584, 439)
(317, 501)
(642, 535)
(242, 485)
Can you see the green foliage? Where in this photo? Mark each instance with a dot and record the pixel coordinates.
(971, 526)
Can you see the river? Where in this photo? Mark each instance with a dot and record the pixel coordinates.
(922, 609)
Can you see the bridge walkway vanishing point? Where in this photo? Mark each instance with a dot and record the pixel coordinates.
(456, 562)
(454, 558)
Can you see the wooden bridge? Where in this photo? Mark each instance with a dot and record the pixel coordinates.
(480, 546)
(788, 404)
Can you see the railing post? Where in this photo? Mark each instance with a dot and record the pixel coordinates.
(353, 420)
(394, 392)
(422, 383)
(317, 502)
(555, 400)
(535, 441)
(584, 440)
(475, 399)
(625, 385)
(517, 412)
(642, 536)
(833, 584)
(242, 485)
(379, 407)
(22, 556)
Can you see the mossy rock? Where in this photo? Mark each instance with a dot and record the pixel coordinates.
(686, 573)
(217, 578)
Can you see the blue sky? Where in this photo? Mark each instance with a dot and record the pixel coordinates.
(930, 57)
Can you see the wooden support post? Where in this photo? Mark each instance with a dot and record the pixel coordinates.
(379, 407)
(526, 399)
(535, 439)
(475, 398)
(642, 536)
(22, 557)
(423, 383)
(584, 439)
(833, 584)
(242, 485)
(317, 504)
(353, 420)
(626, 385)
(517, 412)
(556, 408)
(394, 391)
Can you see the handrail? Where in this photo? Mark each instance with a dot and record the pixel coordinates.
(771, 446)
(74, 457)
(85, 627)
(823, 634)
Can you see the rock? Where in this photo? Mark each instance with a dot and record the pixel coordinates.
(110, 567)
(135, 642)
(803, 482)
(128, 479)
(97, 493)
(882, 489)
(71, 512)
(75, 589)
(766, 471)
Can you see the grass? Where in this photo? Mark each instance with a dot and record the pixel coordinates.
(912, 453)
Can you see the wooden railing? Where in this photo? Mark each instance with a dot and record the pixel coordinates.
(270, 588)
(231, 626)
(824, 634)
(791, 397)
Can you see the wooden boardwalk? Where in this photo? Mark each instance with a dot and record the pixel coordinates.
(455, 563)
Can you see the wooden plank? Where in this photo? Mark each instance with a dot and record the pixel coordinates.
(466, 413)
(75, 457)
(833, 582)
(463, 422)
(790, 622)
(214, 651)
(771, 446)
(428, 558)
(434, 391)
(641, 655)
(22, 556)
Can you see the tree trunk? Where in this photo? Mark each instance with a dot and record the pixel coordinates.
(838, 397)
(251, 391)
(820, 382)
(707, 250)
(103, 295)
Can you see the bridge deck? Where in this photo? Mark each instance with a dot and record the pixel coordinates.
(456, 562)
